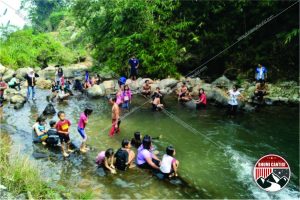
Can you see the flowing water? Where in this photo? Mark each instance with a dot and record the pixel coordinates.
(216, 161)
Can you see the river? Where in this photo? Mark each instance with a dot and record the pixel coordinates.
(216, 155)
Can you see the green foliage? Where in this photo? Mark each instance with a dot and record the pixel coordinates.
(56, 17)
(23, 48)
(177, 36)
(120, 28)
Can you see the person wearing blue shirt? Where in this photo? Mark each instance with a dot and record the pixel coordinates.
(261, 73)
(134, 64)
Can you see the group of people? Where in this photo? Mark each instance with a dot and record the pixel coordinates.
(146, 157)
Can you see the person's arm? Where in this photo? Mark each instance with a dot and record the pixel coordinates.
(151, 163)
(107, 166)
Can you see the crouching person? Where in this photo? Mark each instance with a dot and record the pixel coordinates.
(53, 137)
(39, 131)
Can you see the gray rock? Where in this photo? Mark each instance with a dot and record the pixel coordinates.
(169, 82)
(43, 83)
(222, 82)
(17, 99)
(8, 75)
(18, 106)
(96, 91)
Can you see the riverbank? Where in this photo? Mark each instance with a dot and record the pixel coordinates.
(21, 178)
(278, 93)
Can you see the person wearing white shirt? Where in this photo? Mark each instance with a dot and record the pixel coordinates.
(234, 95)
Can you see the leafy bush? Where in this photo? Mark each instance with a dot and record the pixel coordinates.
(24, 48)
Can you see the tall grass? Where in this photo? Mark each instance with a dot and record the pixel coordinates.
(21, 176)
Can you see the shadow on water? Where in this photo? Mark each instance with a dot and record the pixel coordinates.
(207, 171)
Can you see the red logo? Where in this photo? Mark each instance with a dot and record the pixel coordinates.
(272, 173)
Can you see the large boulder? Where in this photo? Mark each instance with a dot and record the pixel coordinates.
(17, 99)
(43, 83)
(47, 73)
(8, 74)
(8, 93)
(169, 82)
(75, 70)
(96, 91)
(21, 72)
(222, 82)
(218, 95)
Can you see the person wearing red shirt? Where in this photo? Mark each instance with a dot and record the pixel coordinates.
(3, 86)
(62, 128)
(201, 102)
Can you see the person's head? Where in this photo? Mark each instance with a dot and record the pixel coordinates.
(41, 120)
(259, 65)
(31, 71)
(147, 142)
(61, 115)
(88, 111)
(137, 135)
(183, 84)
(147, 82)
(133, 56)
(109, 153)
(158, 89)
(201, 91)
(235, 87)
(126, 87)
(170, 150)
(261, 81)
(112, 100)
(60, 70)
(126, 144)
(52, 123)
(14, 75)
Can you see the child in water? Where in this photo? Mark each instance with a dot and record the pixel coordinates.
(127, 95)
(62, 128)
(169, 165)
(106, 160)
(40, 130)
(83, 120)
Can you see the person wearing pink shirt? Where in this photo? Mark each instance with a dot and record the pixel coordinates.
(83, 120)
(127, 96)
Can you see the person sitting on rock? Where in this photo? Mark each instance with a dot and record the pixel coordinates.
(157, 92)
(3, 86)
(63, 93)
(39, 130)
(146, 89)
(183, 93)
(260, 90)
(14, 83)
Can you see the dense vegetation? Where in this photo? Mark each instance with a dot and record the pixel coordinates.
(172, 37)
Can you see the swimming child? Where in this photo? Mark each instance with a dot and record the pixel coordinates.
(106, 160)
(62, 128)
(40, 130)
(83, 120)
(127, 96)
(169, 165)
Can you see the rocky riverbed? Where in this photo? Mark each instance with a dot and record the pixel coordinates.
(282, 92)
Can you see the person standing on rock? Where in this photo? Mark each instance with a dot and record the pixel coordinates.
(115, 116)
(83, 120)
(31, 81)
(3, 87)
(134, 65)
(59, 76)
(261, 73)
